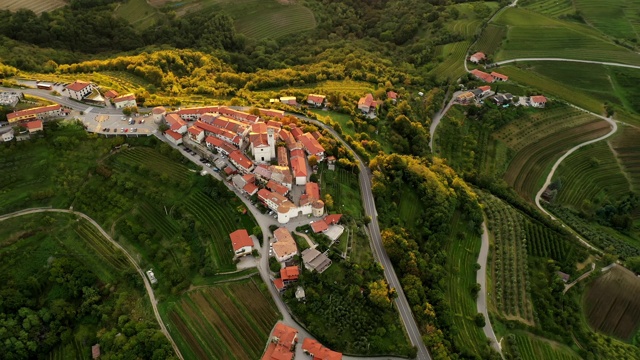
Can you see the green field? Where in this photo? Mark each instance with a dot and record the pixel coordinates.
(344, 188)
(539, 140)
(531, 347)
(553, 8)
(138, 12)
(534, 35)
(463, 248)
(627, 149)
(491, 39)
(37, 6)
(231, 320)
(590, 177)
(616, 18)
(451, 58)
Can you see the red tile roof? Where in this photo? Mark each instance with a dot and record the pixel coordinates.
(208, 127)
(239, 158)
(479, 56)
(283, 156)
(290, 273)
(123, 98)
(34, 125)
(198, 110)
(195, 131)
(277, 188)
(299, 166)
(77, 85)
(319, 226)
(484, 88)
(482, 75)
(173, 134)
(33, 111)
(296, 132)
(392, 95)
(312, 190)
(316, 99)
(110, 94)
(271, 112)
(332, 219)
(282, 349)
(238, 115)
(278, 283)
(367, 100)
(174, 121)
(319, 352)
(228, 170)
(297, 153)
(249, 178)
(499, 76)
(284, 135)
(538, 99)
(310, 143)
(239, 239)
(158, 110)
(250, 189)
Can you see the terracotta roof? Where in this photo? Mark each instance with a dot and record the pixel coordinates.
(332, 219)
(282, 348)
(278, 283)
(258, 140)
(241, 160)
(198, 110)
(194, 130)
(482, 75)
(271, 112)
(33, 111)
(239, 239)
(274, 124)
(312, 190)
(367, 100)
(479, 56)
(110, 94)
(249, 178)
(34, 125)
(283, 156)
(229, 170)
(310, 143)
(316, 99)
(299, 166)
(236, 114)
(296, 132)
(538, 99)
(290, 273)
(277, 188)
(316, 135)
(499, 76)
(173, 134)
(259, 128)
(319, 226)
(158, 110)
(297, 153)
(250, 188)
(331, 158)
(319, 352)
(174, 121)
(318, 204)
(284, 135)
(484, 88)
(77, 85)
(123, 98)
(285, 244)
(95, 351)
(392, 95)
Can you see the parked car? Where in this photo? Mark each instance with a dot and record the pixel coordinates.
(115, 130)
(126, 130)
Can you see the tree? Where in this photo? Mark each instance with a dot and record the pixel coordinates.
(313, 161)
(328, 201)
(633, 263)
(479, 320)
(379, 293)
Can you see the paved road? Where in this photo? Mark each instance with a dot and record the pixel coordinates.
(614, 128)
(147, 285)
(436, 119)
(567, 60)
(481, 278)
(582, 277)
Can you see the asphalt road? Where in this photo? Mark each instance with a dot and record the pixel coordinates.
(481, 278)
(567, 60)
(147, 285)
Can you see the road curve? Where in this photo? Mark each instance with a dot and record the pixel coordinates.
(147, 285)
(503, 62)
(481, 278)
(614, 128)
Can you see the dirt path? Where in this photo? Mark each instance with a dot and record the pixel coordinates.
(311, 243)
(147, 285)
(582, 277)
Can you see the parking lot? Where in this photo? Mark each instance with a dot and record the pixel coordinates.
(119, 124)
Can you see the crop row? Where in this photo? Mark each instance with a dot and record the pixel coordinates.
(491, 39)
(532, 348)
(278, 23)
(159, 221)
(551, 7)
(452, 65)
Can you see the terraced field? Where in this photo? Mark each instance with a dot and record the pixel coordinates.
(535, 35)
(37, 6)
(553, 8)
(491, 39)
(590, 176)
(627, 150)
(617, 18)
(232, 320)
(452, 66)
(276, 23)
(539, 140)
(531, 347)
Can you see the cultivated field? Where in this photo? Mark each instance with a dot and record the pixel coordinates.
(531, 347)
(452, 56)
(590, 176)
(228, 321)
(37, 6)
(535, 35)
(344, 189)
(544, 242)
(276, 22)
(491, 39)
(409, 208)
(462, 248)
(138, 12)
(617, 18)
(540, 139)
(553, 8)
(154, 161)
(612, 303)
(627, 149)
(509, 268)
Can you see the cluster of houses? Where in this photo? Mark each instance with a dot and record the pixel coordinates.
(283, 341)
(250, 143)
(30, 119)
(81, 90)
(489, 78)
(368, 105)
(483, 92)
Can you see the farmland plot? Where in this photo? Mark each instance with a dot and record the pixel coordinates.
(37, 6)
(531, 347)
(627, 150)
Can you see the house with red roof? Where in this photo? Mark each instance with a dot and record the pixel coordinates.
(128, 100)
(281, 343)
(283, 156)
(79, 89)
(318, 352)
(289, 274)
(173, 137)
(319, 226)
(297, 133)
(477, 57)
(499, 77)
(272, 112)
(41, 112)
(316, 100)
(482, 75)
(393, 96)
(240, 161)
(312, 146)
(238, 115)
(538, 101)
(195, 113)
(241, 242)
(277, 188)
(196, 134)
(176, 123)
(250, 189)
(312, 190)
(299, 168)
(34, 126)
(367, 104)
(486, 90)
(110, 94)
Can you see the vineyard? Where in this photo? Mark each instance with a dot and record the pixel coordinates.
(463, 247)
(509, 266)
(452, 60)
(232, 320)
(534, 35)
(92, 242)
(156, 162)
(491, 39)
(219, 222)
(138, 12)
(613, 17)
(276, 23)
(612, 303)
(544, 242)
(525, 346)
(627, 150)
(553, 8)
(589, 177)
(37, 6)
(344, 188)
(539, 140)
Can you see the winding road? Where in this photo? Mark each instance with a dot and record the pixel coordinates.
(566, 60)
(147, 285)
(481, 278)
